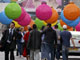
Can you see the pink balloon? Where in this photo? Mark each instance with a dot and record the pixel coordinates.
(26, 20)
(59, 2)
(22, 15)
(77, 27)
(44, 12)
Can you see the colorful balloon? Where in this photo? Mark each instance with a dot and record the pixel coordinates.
(31, 24)
(43, 12)
(53, 18)
(51, 24)
(68, 22)
(4, 19)
(63, 23)
(71, 11)
(39, 23)
(7, 1)
(78, 27)
(23, 13)
(71, 29)
(26, 20)
(59, 27)
(13, 11)
(16, 24)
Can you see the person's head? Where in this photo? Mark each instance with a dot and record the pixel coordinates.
(22, 29)
(42, 27)
(64, 27)
(12, 25)
(34, 26)
(17, 30)
(48, 25)
(29, 29)
(56, 26)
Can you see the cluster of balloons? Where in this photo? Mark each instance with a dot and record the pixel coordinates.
(71, 15)
(14, 12)
(46, 13)
(61, 28)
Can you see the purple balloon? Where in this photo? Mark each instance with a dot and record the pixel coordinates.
(78, 27)
(26, 20)
(59, 2)
(44, 12)
(22, 15)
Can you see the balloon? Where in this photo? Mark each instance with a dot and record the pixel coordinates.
(31, 24)
(71, 11)
(68, 22)
(23, 13)
(63, 23)
(53, 18)
(59, 2)
(71, 29)
(13, 10)
(16, 24)
(51, 24)
(7, 1)
(39, 23)
(4, 19)
(43, 12)
(26, 20)
(59, 27)
(78, 27)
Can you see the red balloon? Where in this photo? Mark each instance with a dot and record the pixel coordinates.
(26, 20)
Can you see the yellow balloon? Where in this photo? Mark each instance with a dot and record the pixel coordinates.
(51, 24)
(16, 24)
(54, 23)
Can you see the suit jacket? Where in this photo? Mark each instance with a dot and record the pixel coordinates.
(34, 41)
(4, 39)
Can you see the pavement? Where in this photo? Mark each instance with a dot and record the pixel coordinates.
(23, 58)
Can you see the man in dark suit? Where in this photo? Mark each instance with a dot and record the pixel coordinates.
(8, 41)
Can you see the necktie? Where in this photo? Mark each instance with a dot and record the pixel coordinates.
(10, 35)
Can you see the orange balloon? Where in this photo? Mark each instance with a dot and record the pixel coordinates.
(71, 29)
(79, 11)
(71, 11)
(63, 23)
(31, 24)
(54, 17)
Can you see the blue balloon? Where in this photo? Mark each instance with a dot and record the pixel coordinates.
(4, 19)
(68, 22)
(7, 1)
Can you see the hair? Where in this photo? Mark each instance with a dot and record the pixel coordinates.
(21, 28)
(49, 24)
(30, 29)
(42, 27)
(56, 26)
(17, 30)
(34, 26)
(13, 23)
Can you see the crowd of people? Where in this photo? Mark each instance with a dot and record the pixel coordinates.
(50, 42)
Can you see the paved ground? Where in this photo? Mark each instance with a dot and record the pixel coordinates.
(18, 58)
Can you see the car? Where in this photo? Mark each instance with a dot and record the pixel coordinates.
(76, 38)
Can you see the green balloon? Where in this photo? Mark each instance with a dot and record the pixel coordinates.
(13, 11)
(39, 23)
(59, 27)
(13, 1)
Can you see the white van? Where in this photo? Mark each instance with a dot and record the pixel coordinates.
(76, 37)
